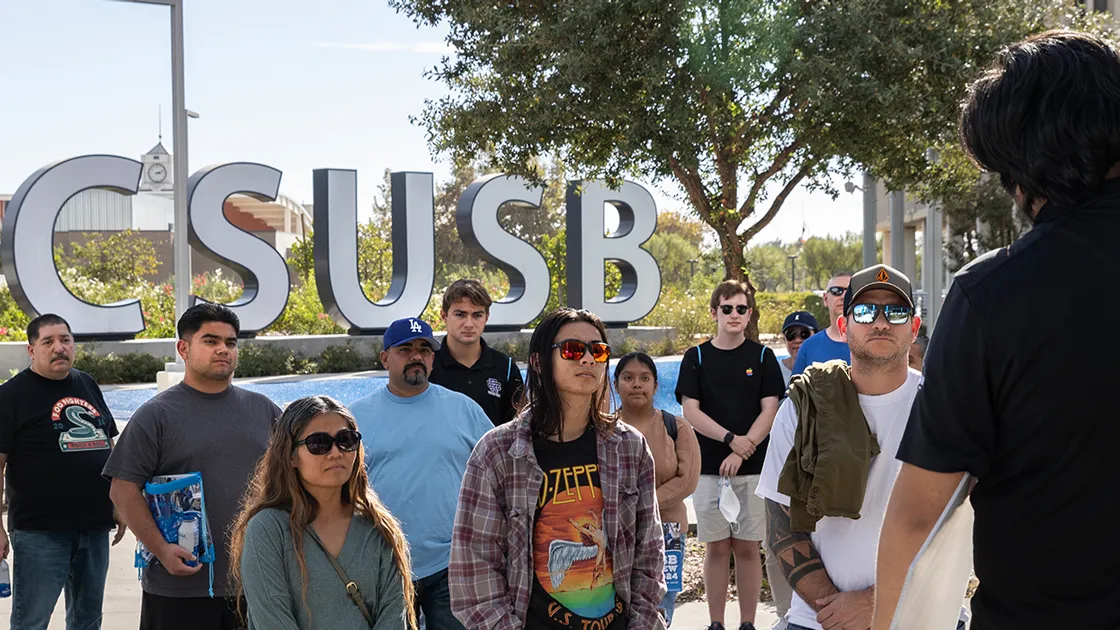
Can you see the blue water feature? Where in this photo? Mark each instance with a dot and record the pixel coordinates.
(124, 402)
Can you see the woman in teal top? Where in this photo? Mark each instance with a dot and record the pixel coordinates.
(310, 497)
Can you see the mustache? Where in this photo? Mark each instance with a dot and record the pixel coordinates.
(416, 364)
(60, 356)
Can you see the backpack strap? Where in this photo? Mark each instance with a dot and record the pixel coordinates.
(670, 424)
(509, 368)
(699, 357)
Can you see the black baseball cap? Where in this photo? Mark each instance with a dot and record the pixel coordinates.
(879, 277)
(801, 318)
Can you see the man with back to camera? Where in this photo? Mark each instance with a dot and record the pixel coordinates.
(1010, 400)
(465, 364)
(421, 437)
(56, 433)
(207, 425)
(828, 344)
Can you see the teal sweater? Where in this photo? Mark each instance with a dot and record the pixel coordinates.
(273, 585)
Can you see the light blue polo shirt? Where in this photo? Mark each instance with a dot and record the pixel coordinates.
(820, 348)
(416, 455)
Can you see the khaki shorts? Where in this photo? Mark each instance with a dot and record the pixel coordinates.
(711, 526)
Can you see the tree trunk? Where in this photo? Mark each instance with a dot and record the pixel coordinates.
(735, 268)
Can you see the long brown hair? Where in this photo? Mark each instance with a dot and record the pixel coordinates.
(276, 484)
(544, 405)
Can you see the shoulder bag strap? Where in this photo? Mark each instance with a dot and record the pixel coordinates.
(351, 586)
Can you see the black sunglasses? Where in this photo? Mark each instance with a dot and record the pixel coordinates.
(574, 350)
(320, 443)
(797, 331)
(740, 309)
(837, 291)
(896, 314)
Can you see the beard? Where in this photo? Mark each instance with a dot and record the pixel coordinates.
(415, 379)
(879, 361)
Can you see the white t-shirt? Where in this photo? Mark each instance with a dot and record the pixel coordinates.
(848, 547)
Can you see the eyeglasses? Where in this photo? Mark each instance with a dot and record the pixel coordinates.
(794, 333)
(320, 443)
(895, 313)
(574, 349)
(837, 291)
(739, 308)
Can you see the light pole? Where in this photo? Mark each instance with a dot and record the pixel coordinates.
(793, 272)
(692, 266)
(181, 248)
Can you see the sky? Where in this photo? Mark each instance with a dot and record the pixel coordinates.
(293, 84)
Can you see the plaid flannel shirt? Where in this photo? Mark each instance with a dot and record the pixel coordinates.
(491, 572)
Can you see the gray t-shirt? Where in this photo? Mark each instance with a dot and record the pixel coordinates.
(182, 430)
(274, 585)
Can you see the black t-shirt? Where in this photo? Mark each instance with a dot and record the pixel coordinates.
(494, 381)
(57, 436)
(1011, 397)
(730, 385)
(574, 585)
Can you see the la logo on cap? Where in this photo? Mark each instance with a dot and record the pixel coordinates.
(882, 276)
(415, 326)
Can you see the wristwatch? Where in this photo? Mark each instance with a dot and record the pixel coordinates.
(727, 438)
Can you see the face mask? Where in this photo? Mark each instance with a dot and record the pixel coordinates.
(729, 504)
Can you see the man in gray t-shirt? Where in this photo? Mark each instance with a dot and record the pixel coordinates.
(203, 425)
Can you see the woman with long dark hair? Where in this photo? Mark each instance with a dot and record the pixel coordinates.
(313, 546)
(557, 525)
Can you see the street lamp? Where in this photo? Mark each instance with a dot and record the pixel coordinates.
(181, 248)
(793, 272)
(692, 266)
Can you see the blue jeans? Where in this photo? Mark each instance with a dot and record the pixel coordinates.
(668, 603)
(433, 598)
(44, 564)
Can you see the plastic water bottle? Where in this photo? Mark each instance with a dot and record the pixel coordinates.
(188, 536)
(5, 581)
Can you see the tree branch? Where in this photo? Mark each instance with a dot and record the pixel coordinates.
(763, 119)
(728, 182)
(780, 162)
(694, 186)
(776, 205)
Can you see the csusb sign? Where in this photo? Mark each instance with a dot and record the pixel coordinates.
(37, 288)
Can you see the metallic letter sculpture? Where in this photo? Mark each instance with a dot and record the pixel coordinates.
(28, 245)
(336, 250)
(261, 267)
(477, 219)
(589, 249)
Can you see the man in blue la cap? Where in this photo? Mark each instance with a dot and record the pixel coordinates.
(418, 437)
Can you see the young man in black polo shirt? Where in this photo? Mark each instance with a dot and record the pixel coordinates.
(729, 389)
(464, 363)
(56, 433)
(1007, 399)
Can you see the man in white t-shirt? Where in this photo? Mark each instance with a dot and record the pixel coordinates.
(832, 570)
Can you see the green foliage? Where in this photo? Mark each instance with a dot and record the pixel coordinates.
(119, 258)
(13, 321)
(304, 314)
(821, 258)
(112, 368)
(258, 359)
(345, 358)
(774, 307)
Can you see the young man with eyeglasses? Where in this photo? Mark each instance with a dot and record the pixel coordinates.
(830, 343)
(832, 567)
(418, 437)
(729, 388)
(798, 327)
(207, 425)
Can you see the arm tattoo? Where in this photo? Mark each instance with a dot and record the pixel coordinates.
(797, 555)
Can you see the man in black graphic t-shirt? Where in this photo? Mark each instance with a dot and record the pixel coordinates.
(574, 585)
(55, 436)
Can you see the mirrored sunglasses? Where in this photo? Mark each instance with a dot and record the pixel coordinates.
(895, 314)
(574, 349)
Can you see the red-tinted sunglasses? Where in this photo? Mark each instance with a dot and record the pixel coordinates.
(574, 349)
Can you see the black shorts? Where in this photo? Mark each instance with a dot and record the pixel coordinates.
(189, 613)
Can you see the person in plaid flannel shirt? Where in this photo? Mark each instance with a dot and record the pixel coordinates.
(557, 524)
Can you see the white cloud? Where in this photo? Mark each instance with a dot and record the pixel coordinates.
(412, 47)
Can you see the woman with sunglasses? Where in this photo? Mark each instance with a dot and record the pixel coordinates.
(557, 525)
(676, 455)
(309, 497)
(798, 327)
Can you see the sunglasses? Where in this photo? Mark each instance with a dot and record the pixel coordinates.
(895, 313)
(574, 349)
(794, 333)
(740, 309)
(837, 291)
(320, 443)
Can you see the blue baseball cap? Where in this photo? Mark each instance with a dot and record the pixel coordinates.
(407, 329)
(801, 318)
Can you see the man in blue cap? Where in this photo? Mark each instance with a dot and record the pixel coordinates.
(799, 326)
(418, 437)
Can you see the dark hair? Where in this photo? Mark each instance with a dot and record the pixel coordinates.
(923, 343)
(46, 319)
(199, 314)
(729, 289)
(1046, 116)
(545, 408)
(470, 289)
(640, 357)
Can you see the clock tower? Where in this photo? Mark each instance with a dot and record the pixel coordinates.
(156, 175)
